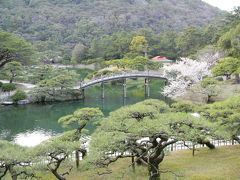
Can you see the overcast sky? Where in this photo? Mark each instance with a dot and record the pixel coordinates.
(224, 4)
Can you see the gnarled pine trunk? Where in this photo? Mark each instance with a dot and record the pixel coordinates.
(58, 176)
(207, 143)
(154, 161)
(13, 173)
(154, 173)
(236, 138)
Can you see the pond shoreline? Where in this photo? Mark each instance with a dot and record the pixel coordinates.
(18, 119)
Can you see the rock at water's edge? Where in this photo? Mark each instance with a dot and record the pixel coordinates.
(7, 103)
(22, 102)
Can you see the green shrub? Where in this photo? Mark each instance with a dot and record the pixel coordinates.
(19, 95)
(219, 79)
(8, 87)
(1, 84)
(208, 81)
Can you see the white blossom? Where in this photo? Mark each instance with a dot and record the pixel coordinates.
(210, 55)
(183, 74)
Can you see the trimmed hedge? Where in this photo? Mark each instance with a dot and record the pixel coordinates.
(8, 87)
(19, 95)
(183, 106)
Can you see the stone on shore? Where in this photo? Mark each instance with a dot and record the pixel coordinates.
(7, 103)
(22, 102)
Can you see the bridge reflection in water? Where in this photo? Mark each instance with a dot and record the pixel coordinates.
(124, 76)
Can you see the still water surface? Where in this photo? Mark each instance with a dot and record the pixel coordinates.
(28, 125)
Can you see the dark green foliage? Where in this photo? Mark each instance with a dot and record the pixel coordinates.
(110, 46)
(165, 44)
(104, 72)
(230, 42)
(226, 67)
(208, 81)
(194, 38)
(55, 85)
(232, 19)
(41, 72)
(55, 153)
(13, 48)
(190, 41)
(219, 79)
(183, 106)
(161, 106)
(144, 130)
(79, 53)
(209, 86)
(1, 84)
(95, 60)
(140, 45)
(19, 95)
(226, 113)
(139, 63)
(81, 117)
(56, 26)
(15, 160)
(8, 87)
(12, 69)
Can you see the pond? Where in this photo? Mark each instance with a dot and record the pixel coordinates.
(30, 124)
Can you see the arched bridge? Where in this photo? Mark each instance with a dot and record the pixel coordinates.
(124, 76)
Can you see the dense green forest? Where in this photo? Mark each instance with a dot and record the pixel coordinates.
(55, 27)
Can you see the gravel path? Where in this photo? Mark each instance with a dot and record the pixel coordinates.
(26, 86)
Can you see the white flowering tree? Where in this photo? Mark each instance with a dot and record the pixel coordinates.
(210, 55)
(183, 74)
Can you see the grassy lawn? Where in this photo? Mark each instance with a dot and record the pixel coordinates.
(220, 164)
(227, 90)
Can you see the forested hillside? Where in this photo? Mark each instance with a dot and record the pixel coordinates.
(56, 26)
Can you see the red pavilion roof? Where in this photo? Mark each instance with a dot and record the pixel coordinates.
(159, 58)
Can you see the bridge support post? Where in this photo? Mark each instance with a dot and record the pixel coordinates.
(124, 101)
(147, 88)
(165, 83)
(124, 88)
(82, 93)
(102, 87)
